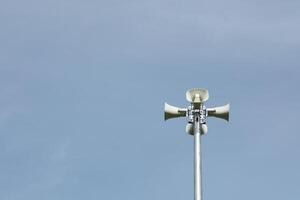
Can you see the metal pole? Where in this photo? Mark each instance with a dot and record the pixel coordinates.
(197, 159)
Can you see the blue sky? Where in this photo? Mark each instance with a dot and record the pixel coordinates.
(83, 83)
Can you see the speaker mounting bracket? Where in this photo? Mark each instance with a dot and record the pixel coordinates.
(196, 114)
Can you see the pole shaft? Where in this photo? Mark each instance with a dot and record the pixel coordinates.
(197, 159)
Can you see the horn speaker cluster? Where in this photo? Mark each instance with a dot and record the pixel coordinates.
(196, 97)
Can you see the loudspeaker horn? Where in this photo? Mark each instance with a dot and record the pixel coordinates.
(173, 112)
(197, 95)
(219, 112)
(190, 129)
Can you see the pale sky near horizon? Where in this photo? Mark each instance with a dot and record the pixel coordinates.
(82, 88)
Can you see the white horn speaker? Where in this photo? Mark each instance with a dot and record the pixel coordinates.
(203, 128)
(173, 112)
(219, 112)
(190, 129)
(197, 95)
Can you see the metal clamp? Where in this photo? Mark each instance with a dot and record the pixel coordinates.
(193, 113)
